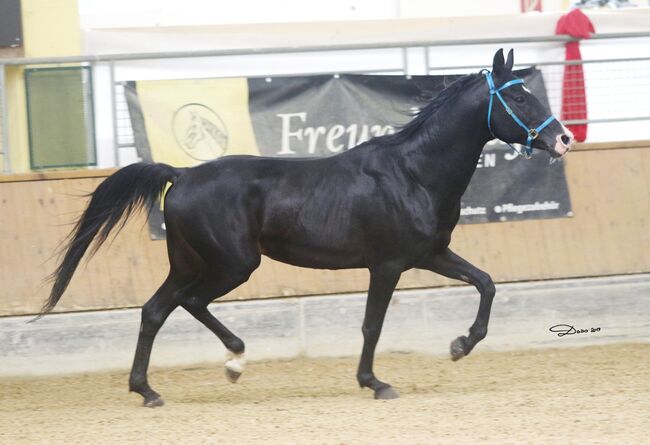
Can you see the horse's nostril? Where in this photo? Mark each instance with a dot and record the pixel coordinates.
(566, 139)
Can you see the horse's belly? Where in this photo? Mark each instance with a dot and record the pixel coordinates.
(310, 255)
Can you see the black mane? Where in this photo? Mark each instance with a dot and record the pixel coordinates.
(413, 126)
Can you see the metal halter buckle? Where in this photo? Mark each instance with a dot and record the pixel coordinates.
(532, 133)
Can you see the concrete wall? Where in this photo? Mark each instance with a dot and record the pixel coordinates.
(422, 320)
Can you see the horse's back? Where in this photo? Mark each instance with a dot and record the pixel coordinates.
(252, 185)
(300, 211)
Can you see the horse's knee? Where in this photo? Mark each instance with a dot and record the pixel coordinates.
(151, 319)
(370, 332)
(486, 285)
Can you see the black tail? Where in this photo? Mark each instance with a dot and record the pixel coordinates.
(128, 189)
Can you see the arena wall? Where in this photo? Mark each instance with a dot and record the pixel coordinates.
(608, 234)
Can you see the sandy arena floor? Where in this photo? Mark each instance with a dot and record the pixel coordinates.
(588, 395)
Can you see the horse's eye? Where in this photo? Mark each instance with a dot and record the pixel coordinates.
(520, 99)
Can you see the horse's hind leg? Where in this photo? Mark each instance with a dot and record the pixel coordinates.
(452, 266)
(194, 297)
(154, 313)
(196, 302)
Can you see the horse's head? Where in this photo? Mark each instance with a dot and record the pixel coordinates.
(516, 116)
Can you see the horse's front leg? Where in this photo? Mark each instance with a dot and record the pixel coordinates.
(451, 265)
(383, 280)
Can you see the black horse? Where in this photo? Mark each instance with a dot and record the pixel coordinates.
(388, 205)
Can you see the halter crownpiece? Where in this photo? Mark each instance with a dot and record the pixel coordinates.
(532, 133)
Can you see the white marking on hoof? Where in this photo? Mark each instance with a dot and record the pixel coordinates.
(236, 363)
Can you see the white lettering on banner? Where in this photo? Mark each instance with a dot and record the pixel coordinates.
(352, 135)
(508, 155)
(487, 160)
(312, 133)
(287, 133)
(523, 208)
(335, 132)
(468, 211)
(328, 138)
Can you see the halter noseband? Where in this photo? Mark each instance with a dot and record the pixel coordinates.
(532, 132)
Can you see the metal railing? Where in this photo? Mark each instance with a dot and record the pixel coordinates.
(615, 87)
(308, 49)
(603, 77)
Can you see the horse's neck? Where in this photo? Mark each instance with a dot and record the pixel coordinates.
(445, 154)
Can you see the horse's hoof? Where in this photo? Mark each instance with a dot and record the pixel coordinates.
(457, 349)
(386, 393)
(232, 375)
(235, 366)
(154, 402)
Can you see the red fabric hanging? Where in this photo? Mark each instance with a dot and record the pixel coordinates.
(574, 98)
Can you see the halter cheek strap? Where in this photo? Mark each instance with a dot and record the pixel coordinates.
(531, 132)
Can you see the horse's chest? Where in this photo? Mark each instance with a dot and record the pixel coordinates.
(431, 231)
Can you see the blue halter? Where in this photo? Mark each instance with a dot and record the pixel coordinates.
(532, 132)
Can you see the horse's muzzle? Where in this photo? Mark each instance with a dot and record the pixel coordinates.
(563, 143)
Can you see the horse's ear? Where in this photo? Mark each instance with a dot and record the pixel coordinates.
(498, 64)
(511, 60)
